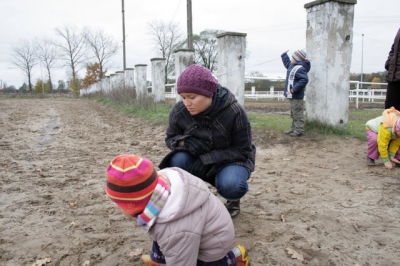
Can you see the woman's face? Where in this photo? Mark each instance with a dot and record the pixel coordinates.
(195, 103)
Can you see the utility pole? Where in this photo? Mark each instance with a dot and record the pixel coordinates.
(123, 34)
(189, 25)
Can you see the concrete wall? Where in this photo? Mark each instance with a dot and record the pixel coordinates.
(158, 78)
(329, 38)
(231, 62)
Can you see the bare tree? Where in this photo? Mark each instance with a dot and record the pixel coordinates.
(102, 46)
(73, 50)
(24, 58)
(48, 54)
(167, 38)
(206, 49)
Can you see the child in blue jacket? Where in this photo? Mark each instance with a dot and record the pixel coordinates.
(296, 80)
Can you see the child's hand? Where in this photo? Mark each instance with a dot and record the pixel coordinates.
(388, 165)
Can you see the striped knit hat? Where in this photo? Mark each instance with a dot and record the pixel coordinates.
(131, 181)
(299, 55)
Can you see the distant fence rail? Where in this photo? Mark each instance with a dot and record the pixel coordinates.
(369, 95)
(356, 94)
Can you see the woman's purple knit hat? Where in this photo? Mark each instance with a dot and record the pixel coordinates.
(197, 79)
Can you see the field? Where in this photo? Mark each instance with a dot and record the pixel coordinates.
(312, 200)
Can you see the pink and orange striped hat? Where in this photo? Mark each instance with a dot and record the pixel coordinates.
(131, 181)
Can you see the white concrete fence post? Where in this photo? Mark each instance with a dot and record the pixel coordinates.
(120, 81)
(106, 84)
(329, 44)
(158, 78)
(183, 59)
(130, 77)
(141, 81)
(231, 62)
(113, 85)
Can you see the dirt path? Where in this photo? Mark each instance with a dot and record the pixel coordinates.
(313, 197)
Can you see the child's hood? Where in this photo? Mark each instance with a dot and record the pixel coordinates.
(389, 117)
(188, 193)
(305, 64)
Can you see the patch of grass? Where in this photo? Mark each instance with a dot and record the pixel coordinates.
(276, 122)
(357, 120)
(157, 113)
(280, 123)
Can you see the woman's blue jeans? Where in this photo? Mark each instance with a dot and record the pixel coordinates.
(230, 181)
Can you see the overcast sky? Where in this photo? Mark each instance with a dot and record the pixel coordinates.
(271, 26)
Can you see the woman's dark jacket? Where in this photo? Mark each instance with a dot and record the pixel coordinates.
(392, 64)
(219, 136)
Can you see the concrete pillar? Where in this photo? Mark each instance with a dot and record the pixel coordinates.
(106, 84)
(130, 77)
(158, 79)
(253, 90)
(231, 62)
(141, 81)
(329, 47)
(120, 81)
(103, 82)
(183, 59)
(94, 88)
(82, 92)
(99, 86)
(113, 78)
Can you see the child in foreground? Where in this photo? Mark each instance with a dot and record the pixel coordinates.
(383, 134)
(187, 223)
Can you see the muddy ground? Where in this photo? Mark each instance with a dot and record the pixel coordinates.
(312, 200)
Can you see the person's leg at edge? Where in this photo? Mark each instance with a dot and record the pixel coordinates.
(397, 156)
(231, 183)
(393, 95)
(183, 160)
